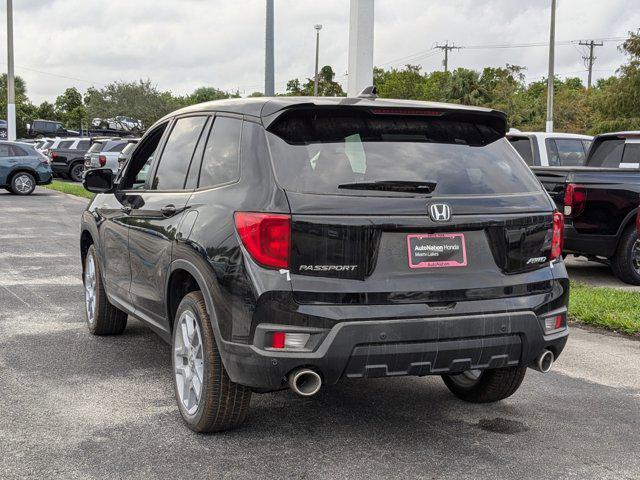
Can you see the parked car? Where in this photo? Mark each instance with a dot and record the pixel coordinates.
(125, 154)
(283, 241)
(67, 157)
(551, 149)
(600, 202)
(104, 153)
(48, 128)
(22, 167)
(3, 129)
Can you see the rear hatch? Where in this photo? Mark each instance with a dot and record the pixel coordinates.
(408, 206)
(93, 154)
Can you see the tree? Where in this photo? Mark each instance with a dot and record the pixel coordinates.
(70, 109)
(406, 83)
(327, 86)
(205, 94)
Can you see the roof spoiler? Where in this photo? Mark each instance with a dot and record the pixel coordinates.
(370, 92)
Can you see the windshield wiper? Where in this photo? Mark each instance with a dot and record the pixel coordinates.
(393, 186)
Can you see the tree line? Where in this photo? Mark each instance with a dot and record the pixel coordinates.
(613, 103)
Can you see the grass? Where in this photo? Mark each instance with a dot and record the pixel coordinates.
(607, 308)
(70, 187)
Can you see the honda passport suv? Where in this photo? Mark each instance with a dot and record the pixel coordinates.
(294, 242)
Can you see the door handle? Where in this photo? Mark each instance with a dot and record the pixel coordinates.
(126, 210)
(168, 210)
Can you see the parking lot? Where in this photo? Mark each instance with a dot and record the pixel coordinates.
(80, 406)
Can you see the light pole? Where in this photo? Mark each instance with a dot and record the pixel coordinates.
(360, 73)
(551, 78)
(269, 85)
(11, 88)
(318, 27)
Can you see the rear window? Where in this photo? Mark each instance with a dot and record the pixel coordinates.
(316, 151)
(96, 147)
(83, 145)
(565, 152)
(65, 144)
(523, 147)
(115, 146)
(606, 152)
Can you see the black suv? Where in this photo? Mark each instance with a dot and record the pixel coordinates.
(289, 241)
(48, 128)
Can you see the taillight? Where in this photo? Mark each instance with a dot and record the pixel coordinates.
(575, 198)
(53, 155)
(103, 160)
(557, 237)
(266, 236)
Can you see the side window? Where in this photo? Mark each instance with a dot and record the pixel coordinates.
(523, 147)
(631, 155)
(18, 152)
(570, 152)
(83, 145)
(221, 160)
(65, 144)
(177, 153)
(134, 176)
(5, 150)
(552, 153)
(49, 127)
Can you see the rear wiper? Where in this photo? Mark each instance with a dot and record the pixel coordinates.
(393, 186)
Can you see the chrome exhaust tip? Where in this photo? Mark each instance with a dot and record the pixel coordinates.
(305, 382)
(544, 361)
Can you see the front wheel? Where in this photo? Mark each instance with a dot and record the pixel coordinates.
(23, 183)
(626, 261)
(207, 398)
(485, 386)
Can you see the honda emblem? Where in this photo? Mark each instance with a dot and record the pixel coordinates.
(439, 212)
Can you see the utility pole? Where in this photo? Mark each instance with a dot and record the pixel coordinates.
(551, 78)
(11, 84)
(269, 83)
(447, 48)
(318, 27)
(360, 72)
(590, 59)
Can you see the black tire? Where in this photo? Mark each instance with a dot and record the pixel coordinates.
(107, 319)
(223, 404)
(75, 172)
(492, 385)
(624, 259)
(23, 183)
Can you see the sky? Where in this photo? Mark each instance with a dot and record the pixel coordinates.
(184, 44)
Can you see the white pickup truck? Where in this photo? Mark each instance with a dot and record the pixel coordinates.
(541, 149)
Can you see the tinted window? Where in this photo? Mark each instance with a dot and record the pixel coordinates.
(631, 154)
(128, 148)
(177, 153)
(19, 151)
(83, 144)
(65, 144)
(221, 160)
(316, 151)
(49, 127)
(606, 152)
(96, 147)
(5, 150)
(523, 147)
(116, 147)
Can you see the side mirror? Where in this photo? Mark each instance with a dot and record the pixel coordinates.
(99, 180)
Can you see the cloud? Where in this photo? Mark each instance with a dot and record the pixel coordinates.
(184, 44)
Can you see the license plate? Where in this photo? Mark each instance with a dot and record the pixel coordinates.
(435, 250)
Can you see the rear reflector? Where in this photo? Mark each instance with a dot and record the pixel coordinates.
(575, 199)
(555, 323)
(557, 237)
(290, 341)
(266, 236)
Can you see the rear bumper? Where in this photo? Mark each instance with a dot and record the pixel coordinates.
(59, 168)
(599, 245)
(45, 178)
(385, 348)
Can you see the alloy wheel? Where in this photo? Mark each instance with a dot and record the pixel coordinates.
(23, 183)
(635, 256)
(467, 379)
(188, 361)
(90, 288)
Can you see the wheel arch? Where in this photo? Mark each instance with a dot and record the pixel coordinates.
(21, 169)
(629, 219)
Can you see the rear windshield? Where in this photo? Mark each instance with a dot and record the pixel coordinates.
(606, 152)
(315, 151)
(523, 147)
(96, 147)
(115, 146)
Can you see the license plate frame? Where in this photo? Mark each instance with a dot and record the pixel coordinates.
(435, 257)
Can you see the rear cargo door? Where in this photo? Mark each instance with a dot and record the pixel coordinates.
(396, 206)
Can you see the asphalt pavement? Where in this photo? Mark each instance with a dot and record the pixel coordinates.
(77, 406)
